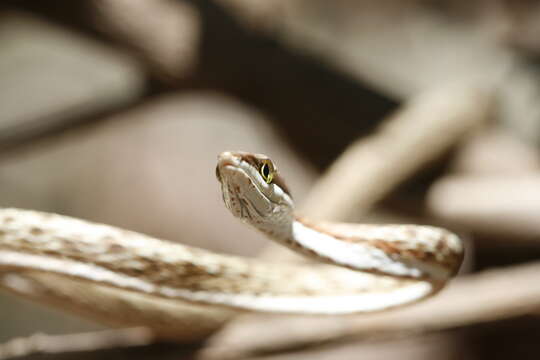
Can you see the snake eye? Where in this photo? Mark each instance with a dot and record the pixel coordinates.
(267, 171)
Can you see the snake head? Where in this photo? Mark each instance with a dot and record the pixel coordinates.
(252, 188)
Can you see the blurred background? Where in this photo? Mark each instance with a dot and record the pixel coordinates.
(115, 110)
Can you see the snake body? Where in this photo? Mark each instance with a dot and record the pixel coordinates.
(364, 267)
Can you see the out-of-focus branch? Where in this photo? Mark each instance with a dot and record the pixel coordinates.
(493, 192)
(496, 152)
(403, 47)
(487, 296)
(165, 33)
(500, 207)
(379, 41)
(54, 344)
(419, 133)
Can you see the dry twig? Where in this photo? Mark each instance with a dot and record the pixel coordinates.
(165, 33)
(452, 308)
(499, 207)
(54, 344)
(419, 133)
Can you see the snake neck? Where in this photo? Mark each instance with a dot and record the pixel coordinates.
(279, 227)
(293, 232)
(301, 236)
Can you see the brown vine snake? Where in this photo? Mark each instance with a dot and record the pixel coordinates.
(392, 264)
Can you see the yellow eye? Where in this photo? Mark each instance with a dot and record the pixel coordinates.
(267, 172)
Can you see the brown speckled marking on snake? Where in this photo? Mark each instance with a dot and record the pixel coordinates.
(172, 274)
(36, 231)
(307, 223)
(8, 220)
(396, 248)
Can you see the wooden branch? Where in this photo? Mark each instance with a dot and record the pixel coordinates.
(164, 33)
(54, 344)
(497, 207)
(493, 191)
(496, 152)
(419, 133)
(487, 296)
(378, 43)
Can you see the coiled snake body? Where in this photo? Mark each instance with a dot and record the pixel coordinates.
(391, 264)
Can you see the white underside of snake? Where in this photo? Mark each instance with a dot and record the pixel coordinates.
(366, 267)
